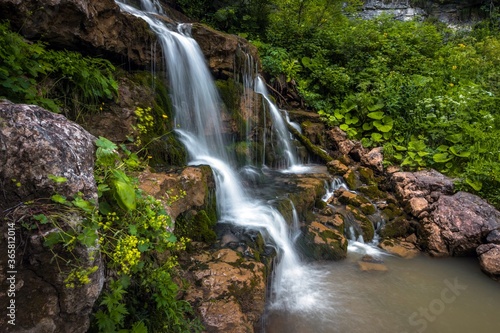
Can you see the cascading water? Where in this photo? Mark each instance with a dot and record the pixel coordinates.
(284, 143)
(197, 107)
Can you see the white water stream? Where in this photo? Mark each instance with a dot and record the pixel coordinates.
(197, 108)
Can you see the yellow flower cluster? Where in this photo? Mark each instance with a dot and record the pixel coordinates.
(158, 222)
(79, 277)
(126, 254)
(145, 120)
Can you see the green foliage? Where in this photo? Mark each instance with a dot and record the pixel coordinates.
(132, 232)
(249, 18)
(427, 93)
(57, 80)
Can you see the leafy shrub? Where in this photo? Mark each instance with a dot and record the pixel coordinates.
(57, 80)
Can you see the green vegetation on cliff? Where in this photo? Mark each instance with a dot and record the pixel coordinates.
(61, 81)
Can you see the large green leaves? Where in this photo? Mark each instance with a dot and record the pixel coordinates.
(123, 190)
(385, 124)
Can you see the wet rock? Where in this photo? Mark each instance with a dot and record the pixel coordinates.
(400, 248)
(228, 288)
(352, 180)
(370, 258)
(489, 259)
(361, 223)
(349, 198)
(322, 243)
(92, 27)
(336, 167)
(309, 189)
(36, 143)
(459, 224)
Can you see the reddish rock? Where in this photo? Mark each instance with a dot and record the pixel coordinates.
(459, 224)
(180, 191)
(230, 290)
(224, 52)
(418, 205)
(374, 159)
(340, 141)
(428, 184)
(489, 259)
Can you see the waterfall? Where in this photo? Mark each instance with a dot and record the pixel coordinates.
(283, 139)
(197, 107)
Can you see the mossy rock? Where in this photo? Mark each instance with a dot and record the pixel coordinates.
(364, 223)
(366, 176)
(337, 168)
(372, 192)
(318, 242)
(351, 179)
(356, 200)
(392, 211)
(285, 208)
(399, 227)
(196, 225)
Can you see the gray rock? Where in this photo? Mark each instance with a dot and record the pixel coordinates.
(36, 143)
(494, 237)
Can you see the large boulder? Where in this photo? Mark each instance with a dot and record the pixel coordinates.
(92, 27)
(450, 224)
(459, 224)
(35, 143)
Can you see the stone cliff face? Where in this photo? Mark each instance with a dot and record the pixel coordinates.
(96, 27)
(99, 27)
(453, 12)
